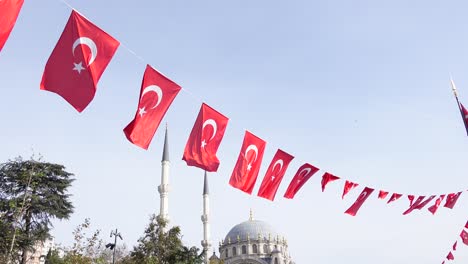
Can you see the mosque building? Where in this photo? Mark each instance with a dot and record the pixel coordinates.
(250, 242)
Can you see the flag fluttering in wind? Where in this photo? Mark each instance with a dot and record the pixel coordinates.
(359, 201)
(9, 11)
(382, 194)
(78, 61)
(274, 174)
(303, 174)
(205, 138)
(248, 163)
(452, 199)
(450, 256)
(454, 246)
(348, 186)
(435, 206)
(394, 197)
(463, 111)
(327, 178)
(464, 237)
(156, 95)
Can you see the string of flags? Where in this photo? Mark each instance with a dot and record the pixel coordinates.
(81, 56)
(464, 239)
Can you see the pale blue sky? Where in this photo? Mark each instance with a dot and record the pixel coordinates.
(357, 88)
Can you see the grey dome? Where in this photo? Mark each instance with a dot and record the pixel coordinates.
(252, 228)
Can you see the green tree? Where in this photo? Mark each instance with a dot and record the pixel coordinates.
(158, 246)
(32, 193)
(85, 250)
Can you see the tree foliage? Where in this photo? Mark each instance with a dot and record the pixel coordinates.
(32, 193)
(161, 246)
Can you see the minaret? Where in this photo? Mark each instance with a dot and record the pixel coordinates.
(206, 243)
(163, 189)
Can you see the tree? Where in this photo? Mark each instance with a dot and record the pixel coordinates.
(88, 248)
(85, 250)
(158, 246)
(32, 193)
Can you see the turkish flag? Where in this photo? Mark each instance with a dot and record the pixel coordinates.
(464, 237)
(205, 138)
(9, 10)
(419, 204)
(451, 199)
(450, 256)
(382, 194)
(359, 201)
(78, 61)
(348, 186)
(156, 95)
(454, 247)
(411, 199)
(248, 163)
(394, 197)
(303, 174)
(466, 224)
(413, 205)
(464, 114)
(435, 206)
(326, 178)
(274, 175)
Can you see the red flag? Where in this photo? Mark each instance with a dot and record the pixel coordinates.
(348, 187)
(451, 199)
(463, 111)
(248, 163)
(382, 194)
(359, 201)
(207, 133)
(454, 247)
(394, 197)
(414, 205)
(303, 174)
(411, 199)
(274, 175)
(464, 114)
(435, 206)
(78, 61)
(326, 178)
(450, 256)
(466, 225)
(423, 204)
(464, 237)
(9, 10)
(156, 95)
(419, 204)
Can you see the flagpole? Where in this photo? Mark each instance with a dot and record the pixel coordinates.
(455, 93)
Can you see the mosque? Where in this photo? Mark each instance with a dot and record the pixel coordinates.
(250, 242)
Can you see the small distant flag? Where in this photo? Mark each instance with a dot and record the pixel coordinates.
(463, 111)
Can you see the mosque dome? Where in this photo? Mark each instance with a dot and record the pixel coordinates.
(254, 242)
(252, 229)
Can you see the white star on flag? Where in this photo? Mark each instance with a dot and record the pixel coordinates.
(142, 111)
(203, 144)
(78, 67)
(249, 166)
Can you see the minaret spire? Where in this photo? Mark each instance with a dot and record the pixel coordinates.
(163, 189)
(206, 243)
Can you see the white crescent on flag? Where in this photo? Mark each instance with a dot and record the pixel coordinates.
(88, 42)
(305, 172)
(254, 149)
(212, 123)
(157, 90)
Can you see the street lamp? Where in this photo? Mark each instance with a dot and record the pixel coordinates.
(112, 246)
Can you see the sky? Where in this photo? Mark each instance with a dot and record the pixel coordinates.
(357, 88)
